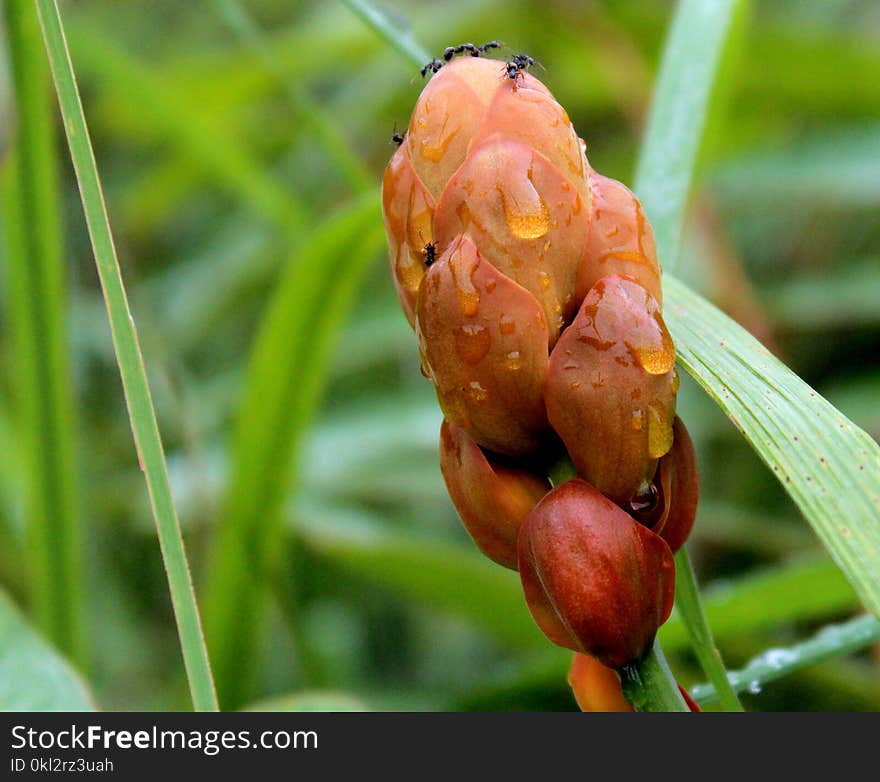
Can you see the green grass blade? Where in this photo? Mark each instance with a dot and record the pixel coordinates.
(830, 642)
(37, 309)
(131, 367)
(829, 466)
(402, 40)
(33, 677)
(287, 369)
(679, 113)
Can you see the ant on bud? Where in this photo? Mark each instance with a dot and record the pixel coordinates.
(518, 65)
(430, 253)
(397, 137)
(450, 51)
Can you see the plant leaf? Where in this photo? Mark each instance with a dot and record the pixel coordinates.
(130, 362)
(33, 676)
(829, 466)
(679, 112)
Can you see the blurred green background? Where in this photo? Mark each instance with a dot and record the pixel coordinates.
(231, 146)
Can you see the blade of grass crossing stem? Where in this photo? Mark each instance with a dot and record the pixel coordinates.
(40, 359)
(679, 113)
(830, 642)
(829, 466)
(131, 367)
(285, 377)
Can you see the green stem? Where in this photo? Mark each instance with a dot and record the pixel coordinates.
(690, 607)
(131, 367)
(650, 685)
(37, 304)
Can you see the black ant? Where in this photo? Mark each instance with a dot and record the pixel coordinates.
(433, 66)
(518, 65)
(450, 51)
(397, 137)
(430, 253)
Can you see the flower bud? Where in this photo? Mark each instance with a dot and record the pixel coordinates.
(668, 506)
(611, 385)
(683, 481)
(526, 217)
(491, 498)
(484, 344)
(621, 240)
(408, 212)
(595, 580)
(595, 687)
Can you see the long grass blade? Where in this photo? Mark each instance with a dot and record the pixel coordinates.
(131, 368)
(830, 642)
(679, 114)
(37, 307)
(33, 676)
(829, 466)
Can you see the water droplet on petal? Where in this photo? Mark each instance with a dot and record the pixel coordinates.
(472, 342)
(476, 391)
(659, 430)
(506, 324)
(513, 360)
(637, 420)
(525, 211)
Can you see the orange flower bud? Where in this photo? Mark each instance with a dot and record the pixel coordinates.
(491, 498)
(408, 212)
(595, 687)
(683, 488)
(526, 217)
(595, 580)
(611, 385)
(484, 344)
(621, 240)
(668, 506)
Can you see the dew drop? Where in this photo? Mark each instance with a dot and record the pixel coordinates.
(434, 147)
(409, 270)
(472, 342)
(513, 360)
(659, 430)
(476, 391)
(637, 420)
(465, 290)
(506, 324)
(526, 213)
(654, 358)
